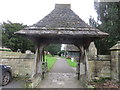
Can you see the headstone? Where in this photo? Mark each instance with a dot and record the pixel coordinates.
(28, 52)
(18, 50)
(92, 53)
(72, 59)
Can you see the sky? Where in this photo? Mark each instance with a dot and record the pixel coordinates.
(29, 12)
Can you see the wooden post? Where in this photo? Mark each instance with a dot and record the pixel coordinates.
(43, 55)
(37, 65)
(86, 65)
(81, 55)
(42, 59)
(78, 67)
(43, 63)
(35, 62)
(78, 62)
(83, 60)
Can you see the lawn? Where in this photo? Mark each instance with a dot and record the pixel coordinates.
(70, 63)
(50, 60)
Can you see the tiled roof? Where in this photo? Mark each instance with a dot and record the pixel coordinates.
(62, 22)
(61, 16)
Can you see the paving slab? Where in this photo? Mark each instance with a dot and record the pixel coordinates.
(60, 80)
(61, 76)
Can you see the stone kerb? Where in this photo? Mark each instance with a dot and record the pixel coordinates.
(115, 61)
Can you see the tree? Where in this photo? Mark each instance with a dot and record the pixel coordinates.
(63, 52)
(109, 16)
(53, 48)
(12, 41)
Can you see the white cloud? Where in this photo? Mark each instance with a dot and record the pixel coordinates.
(31, 11)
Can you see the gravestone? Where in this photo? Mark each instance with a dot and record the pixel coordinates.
(28, 52)
(92, 53)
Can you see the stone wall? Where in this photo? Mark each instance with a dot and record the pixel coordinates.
(21, 63)
(99, 68)
(106, 65)
(115, 62)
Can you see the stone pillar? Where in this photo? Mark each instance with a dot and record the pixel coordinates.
(115, 62)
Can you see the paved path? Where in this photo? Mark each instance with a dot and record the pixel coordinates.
(61, 76)
(61, 66)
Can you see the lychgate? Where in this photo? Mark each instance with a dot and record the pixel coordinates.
(61, 26)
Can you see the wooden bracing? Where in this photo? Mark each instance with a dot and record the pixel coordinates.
(39, 58)
(83, 60)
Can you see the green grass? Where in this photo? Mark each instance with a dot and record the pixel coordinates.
(70, 63)
(6, 50)
(50, 60)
